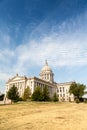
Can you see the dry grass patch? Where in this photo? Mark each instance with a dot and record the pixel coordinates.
(43, 116)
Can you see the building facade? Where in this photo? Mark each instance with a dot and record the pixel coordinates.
(46, 78)
(63, 92)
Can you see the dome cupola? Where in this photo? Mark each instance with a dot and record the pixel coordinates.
(46, 73)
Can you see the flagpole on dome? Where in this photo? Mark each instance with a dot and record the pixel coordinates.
(46, 62)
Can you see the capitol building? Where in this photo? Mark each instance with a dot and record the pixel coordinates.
(46, 78)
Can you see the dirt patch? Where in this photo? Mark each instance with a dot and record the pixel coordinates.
(59, 117)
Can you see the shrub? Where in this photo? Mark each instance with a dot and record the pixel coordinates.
(77, 100)
(45, 94)
(55, 97)
(85, 101)
(27, 94)
(2, 97)
(37, 95)
(13, 94)
(20, 99)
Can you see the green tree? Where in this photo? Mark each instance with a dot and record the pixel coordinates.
(13, 94)
(45, 94)
(37, 94)
(77, 90)
(55, 97)
(2, 97)
(27, 94)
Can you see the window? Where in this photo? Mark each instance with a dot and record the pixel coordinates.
(60, 89)
(57, 90)
(63, 89)
(60, 95)
(63, 95)
(47, 76)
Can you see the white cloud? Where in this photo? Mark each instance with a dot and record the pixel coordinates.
(62, 53)
(4, 76)
(59, 51)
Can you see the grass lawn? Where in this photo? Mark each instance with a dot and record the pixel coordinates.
(43, 116)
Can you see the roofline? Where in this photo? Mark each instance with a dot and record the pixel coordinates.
(42, 80)
(66, 83)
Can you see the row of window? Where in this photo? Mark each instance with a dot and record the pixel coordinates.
(46, 76)
(40, 85)
(61, 89)
(64, 99)
(62, 95)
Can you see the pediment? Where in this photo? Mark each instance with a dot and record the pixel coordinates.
(17, 78)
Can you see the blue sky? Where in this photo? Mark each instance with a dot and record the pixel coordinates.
(32, 31)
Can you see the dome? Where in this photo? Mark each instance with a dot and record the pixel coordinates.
(46, 68)
(46, 73)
